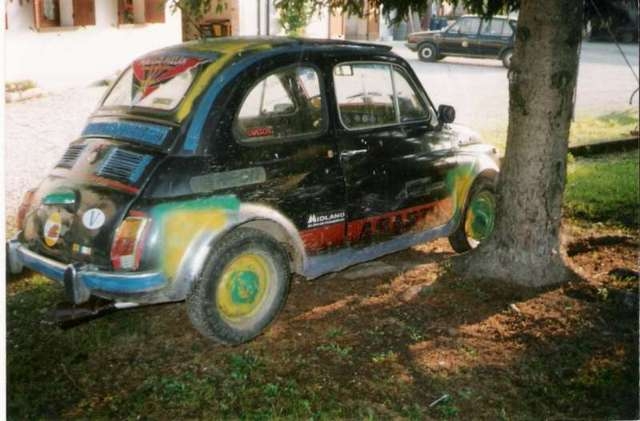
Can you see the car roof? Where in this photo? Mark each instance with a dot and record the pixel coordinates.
(492, 17)
(229, 46)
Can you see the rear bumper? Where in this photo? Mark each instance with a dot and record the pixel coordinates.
(79, 281)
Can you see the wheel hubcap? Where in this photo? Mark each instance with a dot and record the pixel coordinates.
(427, 53)
(480, 217)
(242, 289)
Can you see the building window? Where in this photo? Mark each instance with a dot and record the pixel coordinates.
(140, 11)
(56, 13)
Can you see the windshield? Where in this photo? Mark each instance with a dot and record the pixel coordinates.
(157, 82)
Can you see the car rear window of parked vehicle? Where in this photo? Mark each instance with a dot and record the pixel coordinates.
(496, 28)
(284, 104)
(157, 82)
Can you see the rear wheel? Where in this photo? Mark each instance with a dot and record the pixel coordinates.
(506, 58)
(427, 52)
(478, 219)
(241, 289)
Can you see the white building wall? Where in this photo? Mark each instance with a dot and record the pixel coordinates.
(77, 56)
(318, 26)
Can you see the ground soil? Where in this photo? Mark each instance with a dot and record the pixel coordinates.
(386, 345)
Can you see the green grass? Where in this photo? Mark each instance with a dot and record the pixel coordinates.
(604, 189)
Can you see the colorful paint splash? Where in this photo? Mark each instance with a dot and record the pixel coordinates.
(179, 223)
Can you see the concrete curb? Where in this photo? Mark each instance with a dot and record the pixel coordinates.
(18, 96)
(605, 146)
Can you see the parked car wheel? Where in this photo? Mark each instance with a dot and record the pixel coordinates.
(427, 52)
(241, 289)
(478, 219)
(506, 58)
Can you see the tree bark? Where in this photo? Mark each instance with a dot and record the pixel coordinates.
(525, 245)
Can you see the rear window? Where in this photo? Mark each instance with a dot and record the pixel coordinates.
(157, 82)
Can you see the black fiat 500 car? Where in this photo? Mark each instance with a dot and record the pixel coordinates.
(212, 171)
(469, 36)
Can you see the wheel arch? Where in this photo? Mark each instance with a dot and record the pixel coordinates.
(504, 51)
(428, 42)
(258, 217)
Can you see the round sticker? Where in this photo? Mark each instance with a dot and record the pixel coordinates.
(93, 218)
(52, 229)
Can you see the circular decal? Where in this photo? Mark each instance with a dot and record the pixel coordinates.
(93, 218)
(52, 229)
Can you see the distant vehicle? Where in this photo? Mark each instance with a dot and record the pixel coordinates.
(212, 171)
(469, 36)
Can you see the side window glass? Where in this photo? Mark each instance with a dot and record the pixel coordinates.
(365, 95)
(409, 102)
(470, 26)
(285, 104)
(507, 30)
(494, 27)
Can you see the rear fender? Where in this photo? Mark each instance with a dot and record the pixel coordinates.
(259, 217)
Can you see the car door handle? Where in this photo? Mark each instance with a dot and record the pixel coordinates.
(352, 153)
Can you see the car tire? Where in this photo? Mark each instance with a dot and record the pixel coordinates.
(427, 52)
(478, 218)
(506, 58)
(241, 289)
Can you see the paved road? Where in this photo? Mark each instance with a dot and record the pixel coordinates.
(478, 88)
(38, 131)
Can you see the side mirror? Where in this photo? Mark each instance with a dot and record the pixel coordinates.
(446, 114)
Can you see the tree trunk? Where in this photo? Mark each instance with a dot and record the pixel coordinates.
(525, 245)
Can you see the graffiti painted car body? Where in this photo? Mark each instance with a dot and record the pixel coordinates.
(212, 171)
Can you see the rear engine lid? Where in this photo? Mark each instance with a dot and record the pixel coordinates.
(75, 211)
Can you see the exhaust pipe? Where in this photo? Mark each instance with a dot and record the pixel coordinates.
(67, 315)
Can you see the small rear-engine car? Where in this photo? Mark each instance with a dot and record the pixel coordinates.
(212, 171)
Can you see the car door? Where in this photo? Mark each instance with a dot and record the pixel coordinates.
(284, 152)
(495, 35)
(393, 165)
(462, 37)
(418, 160)
(367, 121)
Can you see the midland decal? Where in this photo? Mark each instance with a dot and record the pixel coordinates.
(325, 218)
(150, 73)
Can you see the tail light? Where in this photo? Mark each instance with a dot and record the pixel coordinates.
(24, 208)
(128, 243)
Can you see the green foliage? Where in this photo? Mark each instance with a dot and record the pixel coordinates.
(195, 10)
(295, 15)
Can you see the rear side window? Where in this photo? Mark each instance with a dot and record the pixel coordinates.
(376, 94)
(285, 104)
(496, 28)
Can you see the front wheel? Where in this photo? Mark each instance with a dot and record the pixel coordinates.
(241, 288)
(427, 52)
(478, 219)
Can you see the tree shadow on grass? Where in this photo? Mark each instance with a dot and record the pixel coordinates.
(385, 346)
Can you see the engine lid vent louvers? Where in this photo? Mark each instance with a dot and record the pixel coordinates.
(123, 165)
(70, 156)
